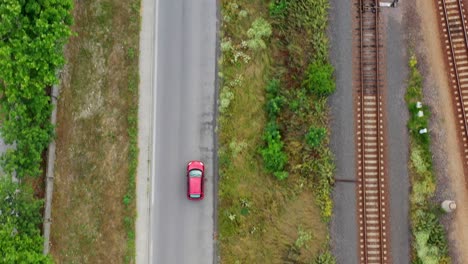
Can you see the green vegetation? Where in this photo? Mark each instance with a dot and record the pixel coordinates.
(31, 51)
(315, 136)
(33, 35)
(273, 155)
(274, 158)
(20, 239)
(430, 242)
(319, 79)
(273, 131)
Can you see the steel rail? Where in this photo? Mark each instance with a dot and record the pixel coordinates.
(361, 8)
(455, 67)
(362, 149)
(379, 120)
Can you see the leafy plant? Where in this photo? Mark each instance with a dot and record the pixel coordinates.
(319, 79)
(20, 239)
(274, 105)
(33, 35)
(277, 8)
(259, 31)
(273, 156)
(225, 99)
(325, 258)
(273, 87)
(303, 237)
(275, 101)
(315, 136)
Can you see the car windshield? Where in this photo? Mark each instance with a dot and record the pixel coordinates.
(195, 173)
(195, 196)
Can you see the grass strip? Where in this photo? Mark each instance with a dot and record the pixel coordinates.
(270, 209)
(97, 151)
(429, 237)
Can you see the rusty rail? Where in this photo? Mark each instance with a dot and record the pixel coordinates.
(373, 242)
(454, 24)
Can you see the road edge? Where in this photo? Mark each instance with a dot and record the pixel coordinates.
(216, 257)
(145, 129)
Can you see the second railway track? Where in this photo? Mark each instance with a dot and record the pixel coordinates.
(455, 41)
(370, 138)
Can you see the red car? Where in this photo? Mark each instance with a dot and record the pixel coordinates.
(195, 177)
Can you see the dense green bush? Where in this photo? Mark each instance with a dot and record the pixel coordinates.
(17, 200)
(33, 34)
(20, 239)
(274, 105)
(273, 155)
(319, 79)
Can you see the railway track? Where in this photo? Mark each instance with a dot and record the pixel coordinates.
(370, 141)
(453, 24)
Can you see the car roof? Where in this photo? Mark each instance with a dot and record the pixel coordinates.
(195, 185)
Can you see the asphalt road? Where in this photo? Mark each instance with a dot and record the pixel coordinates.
(343, 229)
(181, 231)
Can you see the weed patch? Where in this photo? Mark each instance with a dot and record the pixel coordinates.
(429, 238)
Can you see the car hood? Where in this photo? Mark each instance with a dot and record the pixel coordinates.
(195, 165)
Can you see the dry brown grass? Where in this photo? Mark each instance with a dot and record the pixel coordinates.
(91, 176)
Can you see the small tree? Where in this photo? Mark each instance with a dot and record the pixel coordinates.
(319, 79)
(17, 247)
(18, 206)
(20, 239)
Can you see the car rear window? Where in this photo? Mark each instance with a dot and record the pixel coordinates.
(195, 196)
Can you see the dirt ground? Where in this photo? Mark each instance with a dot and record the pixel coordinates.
(447, 157)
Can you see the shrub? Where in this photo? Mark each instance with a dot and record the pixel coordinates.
(274, 105)
(273, 87)
(259, 30)
(319, 79)
(300, 102)
(273, 156)
(225, 99)
(325, 258)
(303, 237)
(426, 253)
(277, 8)
(315, 136)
